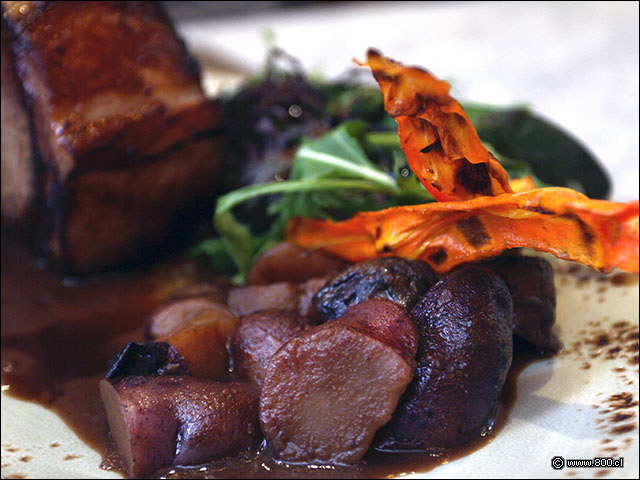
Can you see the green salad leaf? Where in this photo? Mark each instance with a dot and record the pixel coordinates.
(333, 176)
(348, 159)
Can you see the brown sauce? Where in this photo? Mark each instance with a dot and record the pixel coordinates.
(376, 464)
(58, 335)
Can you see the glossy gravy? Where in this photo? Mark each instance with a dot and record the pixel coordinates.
(59, 333)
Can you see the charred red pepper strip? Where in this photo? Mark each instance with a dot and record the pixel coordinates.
(522, 184)
(560, 221)
(441, 144)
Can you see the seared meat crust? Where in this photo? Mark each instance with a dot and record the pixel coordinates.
(122, 132)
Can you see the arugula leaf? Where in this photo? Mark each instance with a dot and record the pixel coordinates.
(515, 168)
(339, 153)
(331, 177)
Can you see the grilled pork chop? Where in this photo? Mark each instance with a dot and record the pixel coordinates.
(107, 137)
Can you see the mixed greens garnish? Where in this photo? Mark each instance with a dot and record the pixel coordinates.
(309, 148)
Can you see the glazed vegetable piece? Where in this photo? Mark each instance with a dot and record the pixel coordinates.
(397, 279)
(159, 421)
(306, 292)
(531, 284)
(214, 292)
(202, 343)
(175, 314)
(441, 144)
(199, 328)
(384, 322)
(286, 262)
(329, 389)
(464, 324)
(259, 336)
(276, 296)
(560, 221)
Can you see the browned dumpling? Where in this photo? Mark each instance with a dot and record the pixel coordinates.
(531, 283)
(276, 296)
(216, 292)
(173, 315)
(259, 336)
(329, 389)
(203, 343)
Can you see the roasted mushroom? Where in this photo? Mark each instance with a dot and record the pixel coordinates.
(146, 359)
(465, 352)
(397, 279)
(329, 389)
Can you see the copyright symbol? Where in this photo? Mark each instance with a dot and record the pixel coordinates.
(557, 463)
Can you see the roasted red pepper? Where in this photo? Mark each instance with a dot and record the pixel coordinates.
(481, 215)
(560, 221)
(441, 144)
